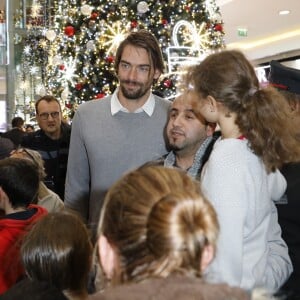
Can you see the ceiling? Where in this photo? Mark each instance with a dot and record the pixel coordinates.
(269, 34)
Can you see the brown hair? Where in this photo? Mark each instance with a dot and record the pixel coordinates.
(263, 115)
(159, 222)
(58, 250)
(146, 40)
(47, 98)
(33, 156)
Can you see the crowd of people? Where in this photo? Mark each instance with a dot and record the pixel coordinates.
(189, 199)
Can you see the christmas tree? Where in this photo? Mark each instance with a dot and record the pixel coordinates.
(31, 53)
(85, 35)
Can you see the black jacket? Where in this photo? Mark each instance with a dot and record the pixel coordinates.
(289, 220)
(55, 155)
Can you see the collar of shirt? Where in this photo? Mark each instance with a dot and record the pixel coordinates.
(116, 106)
(170, 160)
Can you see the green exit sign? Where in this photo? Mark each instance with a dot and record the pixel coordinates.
(242, 32)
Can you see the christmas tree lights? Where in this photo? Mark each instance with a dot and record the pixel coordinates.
(79, 38)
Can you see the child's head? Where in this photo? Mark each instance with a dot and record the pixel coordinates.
(229, 94)
(157, 222)
(58, 250)
(33, 156)
(19, 180)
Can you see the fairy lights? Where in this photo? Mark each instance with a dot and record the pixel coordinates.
(74, 48)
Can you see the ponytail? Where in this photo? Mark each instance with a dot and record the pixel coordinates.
(265, 119)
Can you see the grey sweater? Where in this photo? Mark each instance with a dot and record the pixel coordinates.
(103, 147)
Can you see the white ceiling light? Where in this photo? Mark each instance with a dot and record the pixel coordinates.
(284, 12)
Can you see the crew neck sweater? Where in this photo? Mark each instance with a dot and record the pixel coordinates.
(104, 147)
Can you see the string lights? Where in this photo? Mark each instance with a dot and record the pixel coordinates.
(79, 40)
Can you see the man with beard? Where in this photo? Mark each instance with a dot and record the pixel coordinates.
(120, 132)
(190, 137)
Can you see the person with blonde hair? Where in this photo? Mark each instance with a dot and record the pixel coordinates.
(241, 177)
(55, 255)
(156, 236)
(46, 197)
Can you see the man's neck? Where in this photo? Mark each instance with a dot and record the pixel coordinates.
(53, 135)
(184, 161)
(185, 157)
(132, 104)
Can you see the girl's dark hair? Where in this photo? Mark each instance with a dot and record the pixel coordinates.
(19, 178)
(263, 115)
(58, 250)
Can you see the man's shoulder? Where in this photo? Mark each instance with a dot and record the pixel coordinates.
(35, 140)
(156, 162)
(161, 101)
(29, 137)
(92, 104)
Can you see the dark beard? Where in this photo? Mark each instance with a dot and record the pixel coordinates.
(173, 147)
(135, 94)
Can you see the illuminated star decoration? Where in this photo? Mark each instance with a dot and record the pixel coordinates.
(33, 70)
(115, 36)
(201, 39)
(68, 73)
(27, 50)
(192, 38)
(43, 43)
(35, 9)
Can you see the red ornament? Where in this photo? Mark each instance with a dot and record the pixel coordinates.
(69, 105)
(62, 67)
(218, 27)
(110, 59)
(69, 31)
(164, 22)
(78, 86)
(94, 15)
(99, 96)
(168, 83)
(187, 8)
(134, 24)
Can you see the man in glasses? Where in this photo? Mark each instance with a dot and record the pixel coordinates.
(51, 141)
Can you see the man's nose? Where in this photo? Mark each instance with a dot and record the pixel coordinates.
(132, 73)
(177, 121)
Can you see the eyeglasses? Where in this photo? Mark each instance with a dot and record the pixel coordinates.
(45, 116)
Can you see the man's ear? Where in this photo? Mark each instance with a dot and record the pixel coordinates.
(207, 257)
(157, 73)
(108, 256)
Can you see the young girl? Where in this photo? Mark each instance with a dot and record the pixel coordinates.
(158, 233)
(241, 177)
(56, 252)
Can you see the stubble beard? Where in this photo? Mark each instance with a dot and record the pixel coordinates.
(133, 94)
